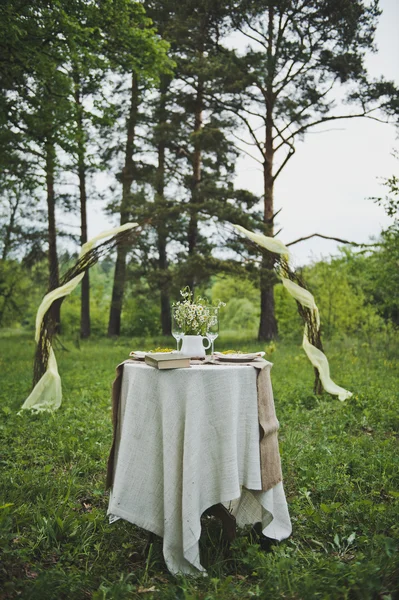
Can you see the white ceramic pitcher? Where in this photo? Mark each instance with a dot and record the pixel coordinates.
(193, 345)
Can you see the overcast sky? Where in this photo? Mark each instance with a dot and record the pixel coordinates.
(325, 186)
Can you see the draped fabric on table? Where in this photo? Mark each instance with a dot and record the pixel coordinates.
(47, 394)
(270, 461)
(309, 310)
(187, 440)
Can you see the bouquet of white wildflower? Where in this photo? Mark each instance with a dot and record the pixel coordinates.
(195, 318)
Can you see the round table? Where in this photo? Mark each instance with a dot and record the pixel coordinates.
(188, 439)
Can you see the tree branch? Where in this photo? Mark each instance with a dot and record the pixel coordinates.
(242, 140)
(364, 114)
(249, 127)
(327, 237)
(251, 37)
(291, 153)
(248, 154)
(323, 95)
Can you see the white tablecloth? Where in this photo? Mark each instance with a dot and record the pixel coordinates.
(188, 439)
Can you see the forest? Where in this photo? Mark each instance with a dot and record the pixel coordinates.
(144, 108)
(117, 112)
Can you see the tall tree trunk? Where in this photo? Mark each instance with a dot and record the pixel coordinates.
(114, 323)
(268, 324)
(85, 290)
(54, 278)
(196, 178)
(10, 226)
(162, 226)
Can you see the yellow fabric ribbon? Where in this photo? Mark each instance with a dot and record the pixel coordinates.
(47, 393)
(319, 360)
(304, 297)
(271, 244)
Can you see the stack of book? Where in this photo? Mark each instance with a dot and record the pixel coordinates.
(167, 360)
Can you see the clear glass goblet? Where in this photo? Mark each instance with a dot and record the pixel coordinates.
(213, 327)
(177, 330)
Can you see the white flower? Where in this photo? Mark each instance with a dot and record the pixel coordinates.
(194, 318)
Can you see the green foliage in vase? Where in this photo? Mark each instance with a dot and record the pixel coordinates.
(195, 317)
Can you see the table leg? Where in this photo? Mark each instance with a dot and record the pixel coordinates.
(228, 521)
(150, 540)
(264, 542)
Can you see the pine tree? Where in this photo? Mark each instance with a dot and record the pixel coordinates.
(201, 159)
(142, 69)
(298, 53)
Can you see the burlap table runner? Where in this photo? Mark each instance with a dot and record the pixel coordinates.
(270, 463)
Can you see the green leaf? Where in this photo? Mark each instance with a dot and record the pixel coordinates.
(351, 538)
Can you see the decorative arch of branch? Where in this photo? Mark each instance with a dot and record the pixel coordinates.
(307, 309)
(47, 393)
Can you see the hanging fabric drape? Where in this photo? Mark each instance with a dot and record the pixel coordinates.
(47, 392)
(306, 299)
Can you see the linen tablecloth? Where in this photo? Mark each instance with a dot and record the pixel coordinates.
(188, 439)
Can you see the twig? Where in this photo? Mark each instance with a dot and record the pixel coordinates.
(328, 237)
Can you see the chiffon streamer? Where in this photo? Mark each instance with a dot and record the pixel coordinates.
(47, 393)
(305, 298)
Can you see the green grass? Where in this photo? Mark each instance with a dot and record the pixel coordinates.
(340, 463)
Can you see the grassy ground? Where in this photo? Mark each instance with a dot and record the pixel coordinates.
(340, 462)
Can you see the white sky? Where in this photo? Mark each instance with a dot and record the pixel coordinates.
(325, 186)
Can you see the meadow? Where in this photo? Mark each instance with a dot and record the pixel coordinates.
(341, 477)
